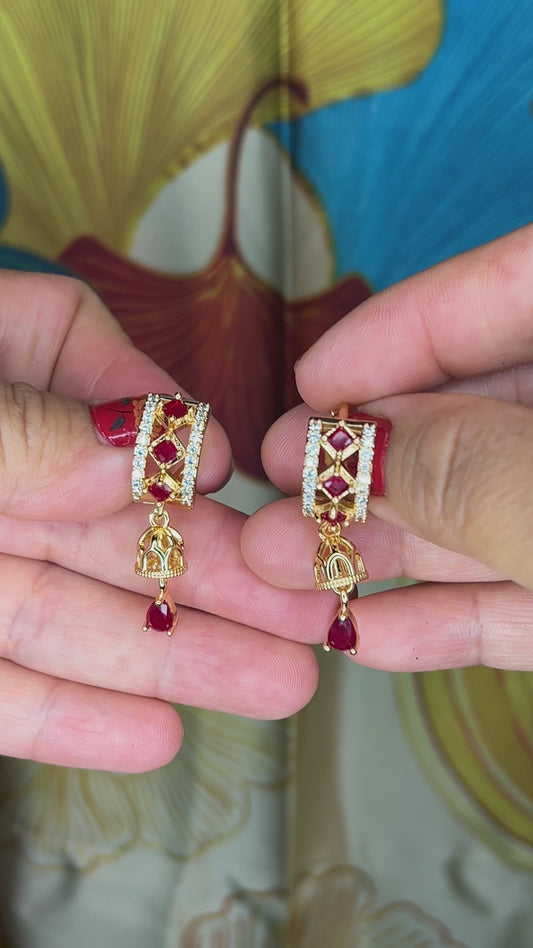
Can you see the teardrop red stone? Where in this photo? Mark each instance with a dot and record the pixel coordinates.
(342, 635)
(160, 617)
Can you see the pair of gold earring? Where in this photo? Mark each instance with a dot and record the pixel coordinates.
(338, 475)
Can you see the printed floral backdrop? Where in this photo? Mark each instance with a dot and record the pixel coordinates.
(232, 178)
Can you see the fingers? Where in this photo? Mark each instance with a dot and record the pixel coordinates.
(60, 623)
(284, 443)
(511, 385)
(90, 632)
(416, 628)
(60, 722)
(105, 550)
(94, 634)
(56, 334)
(53, 466)
(458, 473)
(387, 551)
(283, 449)
(469, 315)
(427, 627)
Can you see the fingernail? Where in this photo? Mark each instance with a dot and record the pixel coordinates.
(117, 422)
(383, 432)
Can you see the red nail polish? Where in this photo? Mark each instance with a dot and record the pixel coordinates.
(118, 422)
(383, 430)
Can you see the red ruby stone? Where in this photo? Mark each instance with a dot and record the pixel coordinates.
(335, 485)
(160, 617)
(342, 635)
(175, 408)
(323, 461)
(350, 464)
(340, 439)
(165, 452)
(160, 491)
(333, 516)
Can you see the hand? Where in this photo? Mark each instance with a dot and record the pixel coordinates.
(459, 507)
(80, 683)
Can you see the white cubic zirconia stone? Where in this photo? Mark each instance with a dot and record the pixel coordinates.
(364, 471)
(192, 454)
(312, 450)
(141, 446)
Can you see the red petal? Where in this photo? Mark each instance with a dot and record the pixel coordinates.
(219, 332)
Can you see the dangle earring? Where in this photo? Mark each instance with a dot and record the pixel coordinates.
(344, 463)
(164, 472)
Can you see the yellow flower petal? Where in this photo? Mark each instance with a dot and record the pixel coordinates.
(101, 103)
(472, 730)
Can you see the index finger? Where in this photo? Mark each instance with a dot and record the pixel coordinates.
(466, 316)
(57, 335)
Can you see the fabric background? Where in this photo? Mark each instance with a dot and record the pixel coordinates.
(234, 177)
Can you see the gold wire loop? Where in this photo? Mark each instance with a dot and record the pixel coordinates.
(159, 517)
(326, 529)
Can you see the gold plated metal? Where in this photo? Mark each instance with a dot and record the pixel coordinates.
(164, 472)
(160, 548)
(336, 483)
(338, 565)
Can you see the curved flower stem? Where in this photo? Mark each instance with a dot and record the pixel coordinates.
(296, 89)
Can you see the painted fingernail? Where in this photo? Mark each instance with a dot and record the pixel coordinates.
(117, 422)
(383, 431)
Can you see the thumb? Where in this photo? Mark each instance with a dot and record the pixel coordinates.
(55, 463)
(459, 474)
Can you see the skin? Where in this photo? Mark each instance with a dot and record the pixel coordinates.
(81, 683)
(447, 356)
